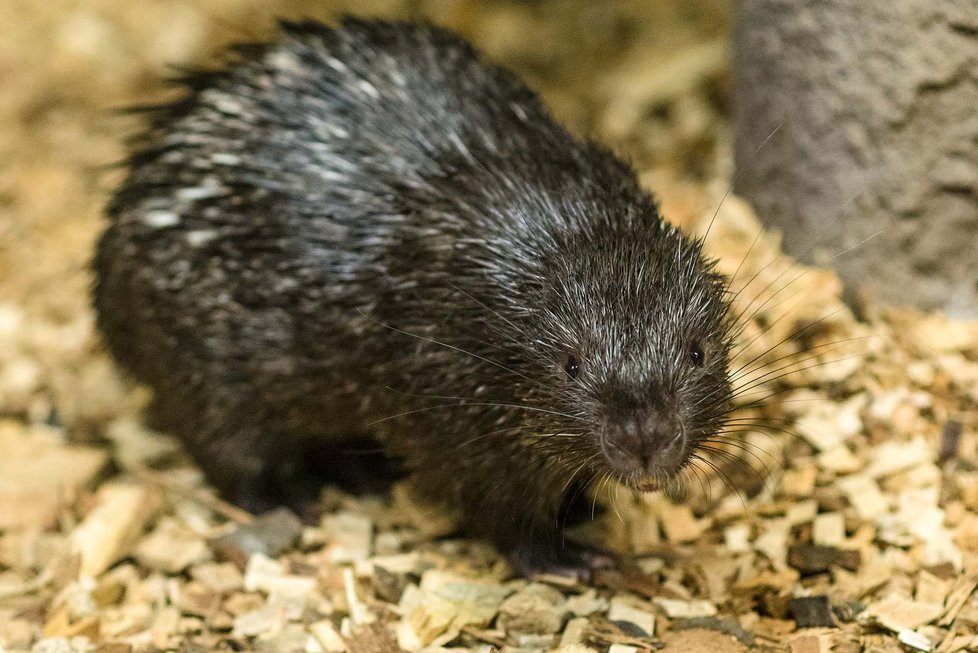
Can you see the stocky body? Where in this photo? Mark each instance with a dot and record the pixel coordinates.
(368, 229)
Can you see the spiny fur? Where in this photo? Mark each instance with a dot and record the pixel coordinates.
(370, 229)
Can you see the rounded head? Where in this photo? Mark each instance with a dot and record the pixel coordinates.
(636, 326)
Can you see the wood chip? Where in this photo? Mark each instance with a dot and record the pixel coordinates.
(586, 604)
(811, 644)
(899, 613)
(350, 537)
(573, 634)
(537, 609)
(328, 637)
(443, 605)
(812, 611)
(39, 476)
(679, 523)
(737, 538)
(830, 425)
(171, 548)
(829, 529)
(799, 482)
(642, 620)
(270, 535)
(914, 640)
(219, 577)
(801, 512)
(865, 496)
(931, 589)
(839, 460)
(621, 648)
(700, 641)
(676, 609)
(120, 514)
(815, 558)
(892, 457)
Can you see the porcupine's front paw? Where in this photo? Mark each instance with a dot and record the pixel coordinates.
(560, 556)
(299, 494)
(269, 488)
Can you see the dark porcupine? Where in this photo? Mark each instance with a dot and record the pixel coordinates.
(370, 230)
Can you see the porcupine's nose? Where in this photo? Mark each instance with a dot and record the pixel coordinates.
(643, 443)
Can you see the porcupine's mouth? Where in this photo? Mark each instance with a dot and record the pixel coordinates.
(649, 482)
(655, 479)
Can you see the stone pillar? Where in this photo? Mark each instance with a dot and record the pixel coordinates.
(878, 106)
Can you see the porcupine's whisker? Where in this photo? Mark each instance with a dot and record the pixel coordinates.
(761, 376)
(473, 403)
(763, 379)
(688, 488)
(748, 450)
(747, 368)
(726, 436)
(748, 426)
(792, 367)
(763, 395)
(740, 266)
(487, 307)
(581, 466)
(452, 347)
(741, 319)
(744, 346)
(491, 433)
(679, 485)
(758, 403)
(463, 401)
(614, 505)
(686, 476)
(569, 500)
(732, 462)
(739, 461)
(796, 260)
(744, 321)
(756, 363)
(738, 318)
(772, 307)
(704, 481)
(724, 478)
(676, 485)
(605, 479)
(741, 419)
(562, 434)
(733, 437)
(735, 178)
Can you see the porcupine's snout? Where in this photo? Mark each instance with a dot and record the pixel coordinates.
(644, 443)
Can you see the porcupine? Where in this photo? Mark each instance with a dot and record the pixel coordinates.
(369, 229)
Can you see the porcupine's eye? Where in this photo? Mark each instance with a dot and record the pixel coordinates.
(572, 366)
(696, 355)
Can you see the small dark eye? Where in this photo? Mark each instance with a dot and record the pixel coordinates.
(571, 366)
(696, 355)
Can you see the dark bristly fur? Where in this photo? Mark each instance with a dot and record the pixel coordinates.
(368, 229)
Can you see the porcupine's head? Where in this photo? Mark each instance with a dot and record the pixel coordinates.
(632, 330)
